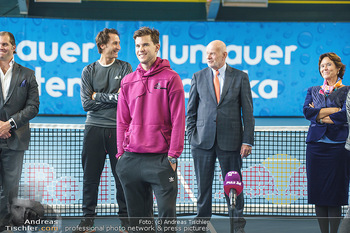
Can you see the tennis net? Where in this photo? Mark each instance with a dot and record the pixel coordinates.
(274, 176)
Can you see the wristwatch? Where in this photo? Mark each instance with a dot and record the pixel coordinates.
(12, 123)
(172, 160)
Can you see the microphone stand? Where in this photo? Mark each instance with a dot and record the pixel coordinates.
(233, 198)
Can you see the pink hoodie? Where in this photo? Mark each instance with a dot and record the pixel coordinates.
(151, 111)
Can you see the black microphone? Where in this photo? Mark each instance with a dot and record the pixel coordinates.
(233, 187)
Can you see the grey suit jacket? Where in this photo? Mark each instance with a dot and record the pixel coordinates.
(21, 104)
(207, 119)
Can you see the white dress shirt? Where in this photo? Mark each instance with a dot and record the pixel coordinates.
(5, 83)
(6, 79)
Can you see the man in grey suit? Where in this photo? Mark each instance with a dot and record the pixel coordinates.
(19, 103)
(215, 129)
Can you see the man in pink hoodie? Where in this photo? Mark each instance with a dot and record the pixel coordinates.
(150, 136)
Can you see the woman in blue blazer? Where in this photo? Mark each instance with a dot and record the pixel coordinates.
(327, 160)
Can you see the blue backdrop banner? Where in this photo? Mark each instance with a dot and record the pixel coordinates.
(281, 59)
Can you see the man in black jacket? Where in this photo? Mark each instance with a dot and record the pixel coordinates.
(19, 103)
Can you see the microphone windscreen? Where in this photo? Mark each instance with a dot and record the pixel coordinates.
(232, 175)
(233, 181)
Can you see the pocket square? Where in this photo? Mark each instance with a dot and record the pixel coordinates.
(23, 84)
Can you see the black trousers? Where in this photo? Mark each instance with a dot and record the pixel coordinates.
(98, 142)
(11, 163)
(141, 175)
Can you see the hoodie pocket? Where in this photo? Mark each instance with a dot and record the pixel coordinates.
(166, 135)
(127, 138)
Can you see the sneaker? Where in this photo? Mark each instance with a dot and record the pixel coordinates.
(85, 226)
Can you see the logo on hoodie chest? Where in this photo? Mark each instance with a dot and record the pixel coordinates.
(159, 86)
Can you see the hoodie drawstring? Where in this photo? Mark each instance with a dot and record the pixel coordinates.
(145, 87)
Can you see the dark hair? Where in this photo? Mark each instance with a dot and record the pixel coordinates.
(103, 37)
(145, 31)
(337, 61)
(12, 38)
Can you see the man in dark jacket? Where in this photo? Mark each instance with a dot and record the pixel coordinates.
(19, 103)
(220, 124)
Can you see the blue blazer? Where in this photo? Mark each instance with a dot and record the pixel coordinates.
(337, 131)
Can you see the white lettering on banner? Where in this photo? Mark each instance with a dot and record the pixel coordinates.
(68, 51)
(238, 57)
(71, 82)
(32, 45)
(273, 54)
(54, 52)
(55, 85)
(247, 57)
(289, 50)
(195, 49)
(165, 45)
(86, 48)
(252, 84)
(39, 79)
(184, 57)
(261, 89)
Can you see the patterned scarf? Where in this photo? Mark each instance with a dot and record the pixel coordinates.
(327, 90)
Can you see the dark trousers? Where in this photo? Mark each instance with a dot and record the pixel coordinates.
(140, 174)
(204, 165)
(11, 163)
(98, 142)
